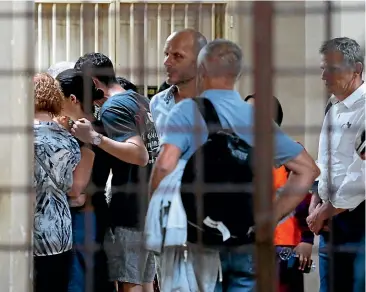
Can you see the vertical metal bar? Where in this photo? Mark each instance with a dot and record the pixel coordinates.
(199, 20)
(159, 52)
(111, 23)
(89, 246)
(96, 28)
(132, 39)
(213, 22)
(81, 27)
(54, 34)
(263, 196)
(172, 18)
(186, 19)
(40, 36)
(146, 43)
(330, 246)
(68, 31)
(117, 32)
(29, 89)
(228, 25)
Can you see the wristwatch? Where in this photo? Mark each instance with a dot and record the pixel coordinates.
(97, 139)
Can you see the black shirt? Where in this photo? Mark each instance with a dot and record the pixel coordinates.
(123, 116)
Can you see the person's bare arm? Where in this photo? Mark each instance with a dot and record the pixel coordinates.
(125, 144)
(315, 200)
(82, 172)
(164, 165)
(131, 151)
(303, 173)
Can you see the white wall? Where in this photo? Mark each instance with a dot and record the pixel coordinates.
(122, 42)
(16, 148)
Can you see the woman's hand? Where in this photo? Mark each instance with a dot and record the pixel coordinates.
(304, 250)
(78, 201)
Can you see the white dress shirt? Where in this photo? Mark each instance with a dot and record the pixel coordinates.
(346, 167)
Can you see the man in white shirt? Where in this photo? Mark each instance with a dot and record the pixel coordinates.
(341, 190)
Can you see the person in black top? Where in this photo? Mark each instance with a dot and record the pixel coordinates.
(88, 219)
(278, 112)
(163, 87)
(132, 140)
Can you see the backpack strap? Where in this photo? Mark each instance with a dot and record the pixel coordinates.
(209, 114)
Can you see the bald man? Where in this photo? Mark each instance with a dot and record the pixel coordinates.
(181, 50)
(219, 66)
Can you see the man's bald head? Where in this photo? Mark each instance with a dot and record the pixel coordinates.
(221, 58)
(59, 67)
(190, 35)
(181, 50)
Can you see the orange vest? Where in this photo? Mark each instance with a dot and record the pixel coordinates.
(288, 232)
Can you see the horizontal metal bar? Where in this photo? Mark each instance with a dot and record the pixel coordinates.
(125, 71)
(289, 129)
(169, 2)
(284, 10)
(279, 11)
(93, 247)
(74, 1)
(9, 129)
(136, 188)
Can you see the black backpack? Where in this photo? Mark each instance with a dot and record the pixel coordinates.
(217, 186)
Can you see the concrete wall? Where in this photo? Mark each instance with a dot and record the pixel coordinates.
(16, 107)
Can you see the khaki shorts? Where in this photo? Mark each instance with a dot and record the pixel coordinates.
(128, 261)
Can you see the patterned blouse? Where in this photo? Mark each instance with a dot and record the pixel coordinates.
(60, 154)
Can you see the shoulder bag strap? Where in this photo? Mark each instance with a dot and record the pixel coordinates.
(209, 114)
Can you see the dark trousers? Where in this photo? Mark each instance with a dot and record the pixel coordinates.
(359, 277)
(52, 272)
(348, 229)
(342, 262)
(89, 269)
(290, 280)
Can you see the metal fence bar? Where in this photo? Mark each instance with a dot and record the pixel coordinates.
(330, 251)
(263, 150)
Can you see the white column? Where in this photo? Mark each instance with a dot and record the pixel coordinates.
(16, 146)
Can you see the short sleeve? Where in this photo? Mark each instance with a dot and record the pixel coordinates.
(119, 123)
(153, 103)
(75, 153)
(179, 128)
(286, 148)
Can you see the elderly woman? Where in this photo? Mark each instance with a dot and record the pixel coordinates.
(56, 174)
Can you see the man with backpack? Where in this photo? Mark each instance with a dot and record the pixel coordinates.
(225, 211)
